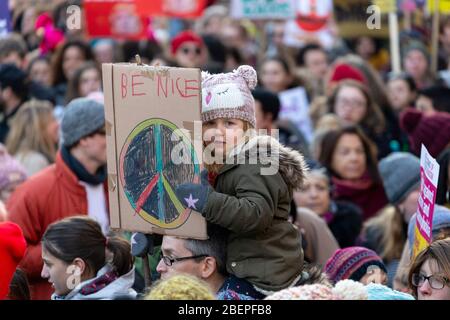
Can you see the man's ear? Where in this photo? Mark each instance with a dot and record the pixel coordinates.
(83, 141)
(209, 266)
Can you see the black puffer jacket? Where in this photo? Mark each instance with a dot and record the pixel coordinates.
(345, 223)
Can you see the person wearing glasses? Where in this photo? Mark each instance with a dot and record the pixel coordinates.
(429, 276)
(188, 50)
(206, 260)
(74, 184)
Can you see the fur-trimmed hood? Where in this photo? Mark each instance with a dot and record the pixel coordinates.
(267, 151)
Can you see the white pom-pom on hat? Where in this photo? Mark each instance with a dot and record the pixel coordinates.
(249, 75)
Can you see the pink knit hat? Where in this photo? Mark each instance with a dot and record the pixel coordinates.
(228, 95)
(11, 171)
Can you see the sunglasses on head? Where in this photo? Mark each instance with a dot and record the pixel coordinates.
(196, 50)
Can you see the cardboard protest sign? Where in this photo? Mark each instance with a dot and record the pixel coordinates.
(150, 116)
(311, 23)
(263, 9)
(5, 26)
(295, 107)
(429, 173)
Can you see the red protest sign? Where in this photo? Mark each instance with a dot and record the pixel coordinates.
(118, 19)
(172, 8)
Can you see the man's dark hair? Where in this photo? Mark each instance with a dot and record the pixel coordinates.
(300, 58)
(14, 78)
(270, 102)
(215, 246)
(439, 94)
(13, 43)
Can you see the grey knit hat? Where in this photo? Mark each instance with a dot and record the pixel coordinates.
(81, 118)
(400, 172)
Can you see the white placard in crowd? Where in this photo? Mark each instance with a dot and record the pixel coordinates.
(295, 107)
(263, 9)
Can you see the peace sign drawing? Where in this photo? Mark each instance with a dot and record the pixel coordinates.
(149, 176)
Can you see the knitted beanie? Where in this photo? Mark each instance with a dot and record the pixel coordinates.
(416, 46)
(431, 130)
(344, 71)
(182, 37)
(12, 250)
(305, 292)
(378, 291)
(400, 172)
(228, 95)
(82, 116)
(11, 171)
(181, 287)
(352, 263)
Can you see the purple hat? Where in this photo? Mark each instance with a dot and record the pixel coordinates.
(11, 171)
(352, 263)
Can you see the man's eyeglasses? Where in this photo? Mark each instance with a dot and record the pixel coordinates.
(169, 261)
(187, 50)
(436, 282)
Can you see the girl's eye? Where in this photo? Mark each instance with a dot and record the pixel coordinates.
(223, 92)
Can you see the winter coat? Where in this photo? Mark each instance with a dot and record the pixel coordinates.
(320, 242)
(100, 288)
(263, 246)
(50, 195)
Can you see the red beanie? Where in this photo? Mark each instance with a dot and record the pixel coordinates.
(344, 72)
(182, 37)
(431, 130)
(12, 250)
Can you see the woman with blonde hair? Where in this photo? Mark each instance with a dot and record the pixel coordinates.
(34, 136)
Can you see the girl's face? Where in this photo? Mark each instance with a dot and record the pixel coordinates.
(72, 60)
(349, 159)
(58, 273)
(399, 94)
(40, 72)
(315, 194)
(350, 105)
(273, 76)
(224, 134)
(425, 291)
(53, 129)
(89, 82)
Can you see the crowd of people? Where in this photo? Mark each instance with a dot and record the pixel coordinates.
(335, 221)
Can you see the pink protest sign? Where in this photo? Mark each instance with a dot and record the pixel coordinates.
(429, 172)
